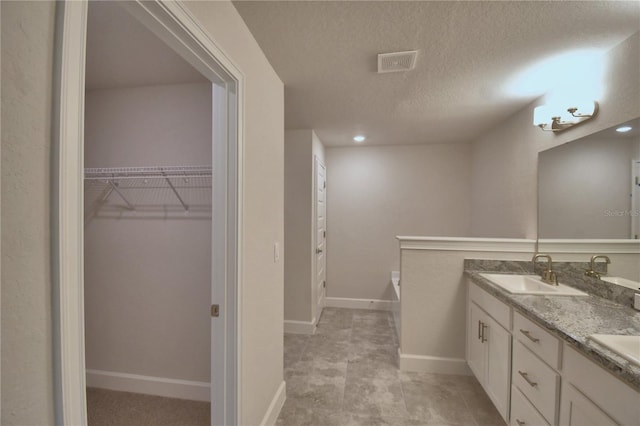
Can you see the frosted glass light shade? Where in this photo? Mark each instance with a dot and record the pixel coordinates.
(541, 115)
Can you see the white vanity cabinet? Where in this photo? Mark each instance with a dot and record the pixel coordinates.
(489, 346)
(536, 356)
(536, 379)
(592, 396)
(578, 410)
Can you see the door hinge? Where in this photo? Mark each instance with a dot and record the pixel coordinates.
(324, 184)
(324, 284)
(324, 234)
(215, 310)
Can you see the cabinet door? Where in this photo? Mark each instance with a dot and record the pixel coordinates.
(498, 378)
(577, 410)
(476, 347)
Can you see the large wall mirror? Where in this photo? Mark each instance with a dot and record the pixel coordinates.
(589, 189)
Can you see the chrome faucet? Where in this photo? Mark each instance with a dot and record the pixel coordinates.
(548, 276)
(591, 272)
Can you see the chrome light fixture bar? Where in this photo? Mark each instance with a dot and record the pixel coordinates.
(552, 119)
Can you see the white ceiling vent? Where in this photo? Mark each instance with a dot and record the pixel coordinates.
(397, 61)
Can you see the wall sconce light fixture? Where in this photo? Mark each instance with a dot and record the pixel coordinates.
(556, 119)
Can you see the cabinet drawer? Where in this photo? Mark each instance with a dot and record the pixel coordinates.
(537, 381)
(522, 412)
(536, 338)
(495, 308)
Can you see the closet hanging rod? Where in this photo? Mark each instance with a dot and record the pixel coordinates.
(147, 172)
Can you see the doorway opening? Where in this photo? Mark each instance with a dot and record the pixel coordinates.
(147, 226)
(142, 212)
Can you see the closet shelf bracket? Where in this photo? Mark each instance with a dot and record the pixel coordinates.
(114, 187)
(173, 188)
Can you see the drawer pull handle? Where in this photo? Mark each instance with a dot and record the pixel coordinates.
(520, 422)
(525, 376)
(529, 336)
(479, 330)
(484, 327)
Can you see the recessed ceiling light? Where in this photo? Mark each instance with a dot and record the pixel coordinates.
(623, 129)
(359, 138)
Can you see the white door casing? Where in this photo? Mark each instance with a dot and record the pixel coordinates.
(174, 24)
(635, 199)
(320, 237)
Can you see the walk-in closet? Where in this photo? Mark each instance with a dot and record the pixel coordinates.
(148, 210)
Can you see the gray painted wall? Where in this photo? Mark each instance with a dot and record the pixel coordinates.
(377, 193)
(148, 274)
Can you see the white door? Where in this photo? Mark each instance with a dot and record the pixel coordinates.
(320, 236)
(635, 200)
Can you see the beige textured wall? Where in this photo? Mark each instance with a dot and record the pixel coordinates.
(377, 193)
(148, 274)
(504, 161)
(298, 200)
(262, 299)
(318, 148)
(27, 58)
(432, 300)
(27, 50)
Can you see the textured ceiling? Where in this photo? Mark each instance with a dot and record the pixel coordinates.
(121, 52)
(611, 133)
(325, 53)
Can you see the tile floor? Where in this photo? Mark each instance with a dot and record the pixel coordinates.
(347, 374)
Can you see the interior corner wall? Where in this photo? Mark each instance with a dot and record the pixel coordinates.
(263, 206)
(378, 192)
(298, 203)
(147, 281)
(505, 160)
(318, 149)
(27, 70)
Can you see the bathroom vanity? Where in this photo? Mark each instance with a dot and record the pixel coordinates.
(533, 356)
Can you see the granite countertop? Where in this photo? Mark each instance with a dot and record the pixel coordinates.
(573, 319)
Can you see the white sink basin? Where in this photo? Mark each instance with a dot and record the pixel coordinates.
(634, 285)
(531, 284)
(625, 346)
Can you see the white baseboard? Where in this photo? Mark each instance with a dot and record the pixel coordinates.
(345, 302)
(300, 327)
(161, 386)
(277, 402)
(433, 364)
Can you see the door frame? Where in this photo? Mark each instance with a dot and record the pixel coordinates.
(635, 199)
(177, 27)
(316, 313)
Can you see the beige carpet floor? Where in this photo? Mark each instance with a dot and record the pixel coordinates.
(111, 408)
